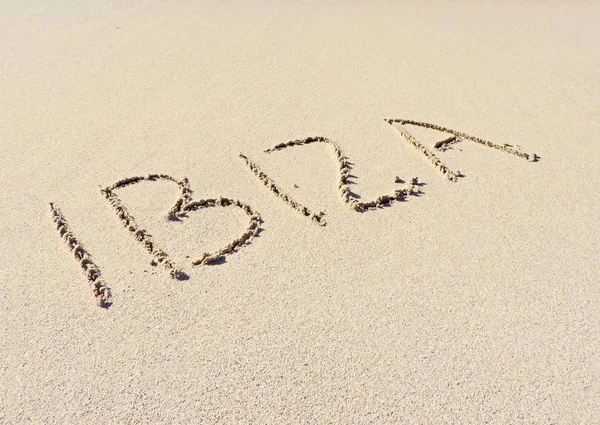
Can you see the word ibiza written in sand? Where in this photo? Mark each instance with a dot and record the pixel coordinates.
(186, 205)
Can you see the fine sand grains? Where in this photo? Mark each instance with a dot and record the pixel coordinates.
(442, 145)
(343, 183)
(91, 270)
(182, 206)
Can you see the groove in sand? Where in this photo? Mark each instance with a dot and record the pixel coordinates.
(91, 270)
(267, 181)
(451, 175)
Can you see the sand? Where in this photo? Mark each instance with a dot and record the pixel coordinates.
(466, 301)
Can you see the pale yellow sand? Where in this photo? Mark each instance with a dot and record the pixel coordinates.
(477, 302)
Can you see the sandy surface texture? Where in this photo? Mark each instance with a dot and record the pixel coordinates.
(298, 213)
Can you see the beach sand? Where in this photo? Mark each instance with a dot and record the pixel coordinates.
(473, 301)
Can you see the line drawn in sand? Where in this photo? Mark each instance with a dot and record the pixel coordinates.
(444, 144)
(182, 207)
(343, 184)
(92, 272)
(267, 181)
